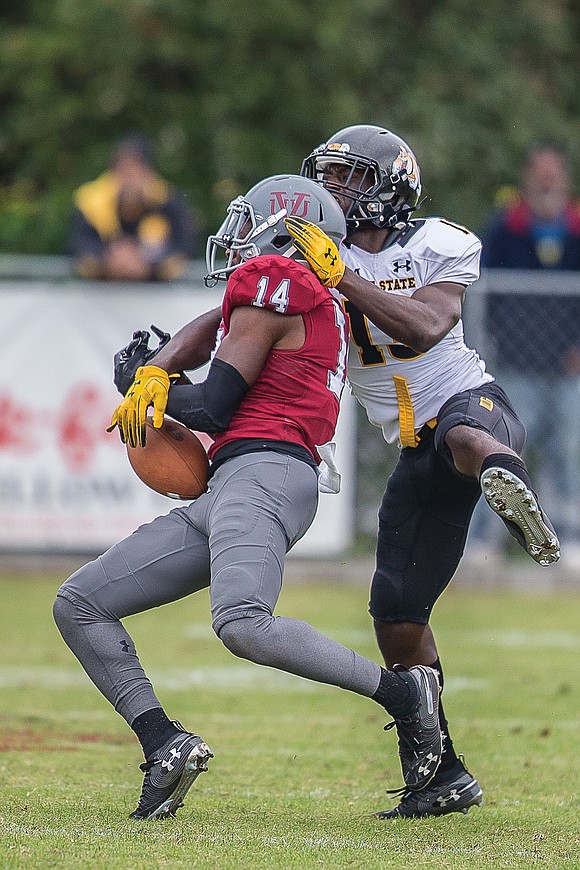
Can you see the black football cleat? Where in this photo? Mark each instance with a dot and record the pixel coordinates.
(419, 732)
(169, 774)
(518, 506)
(454, 791)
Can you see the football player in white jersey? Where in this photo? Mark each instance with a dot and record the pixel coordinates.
(402, 282)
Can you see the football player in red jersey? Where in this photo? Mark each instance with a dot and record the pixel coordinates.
(271, 401)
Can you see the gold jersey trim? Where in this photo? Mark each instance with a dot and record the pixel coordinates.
(407, 435)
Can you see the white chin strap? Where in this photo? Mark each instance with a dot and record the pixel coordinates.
(270, 222)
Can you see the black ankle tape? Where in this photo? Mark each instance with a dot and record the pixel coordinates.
(153, 728)
(397, 692)
(510, 463)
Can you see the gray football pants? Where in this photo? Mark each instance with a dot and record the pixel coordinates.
(233, 538)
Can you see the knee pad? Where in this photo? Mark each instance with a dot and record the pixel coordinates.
(243, 636)
(65, 614)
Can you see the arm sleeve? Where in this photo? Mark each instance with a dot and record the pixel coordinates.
(209, 406)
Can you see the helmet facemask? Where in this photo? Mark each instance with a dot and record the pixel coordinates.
(383, 185)
(241, 237)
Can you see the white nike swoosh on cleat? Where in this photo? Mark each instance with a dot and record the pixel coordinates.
(430, 705)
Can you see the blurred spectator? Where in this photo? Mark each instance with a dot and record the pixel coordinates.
(129, 224)
(536, 337)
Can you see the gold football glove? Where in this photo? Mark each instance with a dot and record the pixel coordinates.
(318, 249)
(150, 387)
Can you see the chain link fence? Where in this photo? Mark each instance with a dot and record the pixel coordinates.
(526, 326)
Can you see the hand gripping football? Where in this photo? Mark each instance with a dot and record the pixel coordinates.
(173, 462)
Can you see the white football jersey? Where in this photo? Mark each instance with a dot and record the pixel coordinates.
(400, 389)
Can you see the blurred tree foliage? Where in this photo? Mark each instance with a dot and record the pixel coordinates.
(232, 91)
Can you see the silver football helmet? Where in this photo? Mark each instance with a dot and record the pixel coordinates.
(382, 179)
(254, 224)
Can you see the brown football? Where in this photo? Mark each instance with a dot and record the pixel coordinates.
(173, 462)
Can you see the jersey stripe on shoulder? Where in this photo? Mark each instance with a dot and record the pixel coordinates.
(409, 232)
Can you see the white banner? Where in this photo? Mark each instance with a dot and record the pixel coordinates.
(65, 483)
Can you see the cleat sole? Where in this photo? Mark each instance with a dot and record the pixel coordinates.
(515, 503)
(197, 763)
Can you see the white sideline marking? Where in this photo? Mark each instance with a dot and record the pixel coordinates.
(515, 637)
(179, 679)
(198, 631)
(236, 676)
(461, 684)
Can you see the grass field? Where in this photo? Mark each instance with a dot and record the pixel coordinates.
(298, 768)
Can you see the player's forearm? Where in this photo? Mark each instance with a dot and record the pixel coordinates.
(192, 345)
(402, 318)
(209, 406)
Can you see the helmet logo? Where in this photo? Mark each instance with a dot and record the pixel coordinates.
(298, 204)
(405, 164)
(336, 146)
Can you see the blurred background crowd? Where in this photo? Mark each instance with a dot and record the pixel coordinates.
(128, 126)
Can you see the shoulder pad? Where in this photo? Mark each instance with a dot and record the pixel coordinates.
(448, 239)
(407, 234)
(276, 283)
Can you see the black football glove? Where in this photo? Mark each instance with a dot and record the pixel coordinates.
(136, 354)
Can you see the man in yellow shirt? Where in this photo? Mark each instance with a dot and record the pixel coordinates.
(129, 224)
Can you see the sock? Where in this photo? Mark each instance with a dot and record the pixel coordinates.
(397, 693)
(510, 463)
(153, 728)
(449, 757)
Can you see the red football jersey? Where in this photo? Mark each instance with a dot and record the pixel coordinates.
(296, 396)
